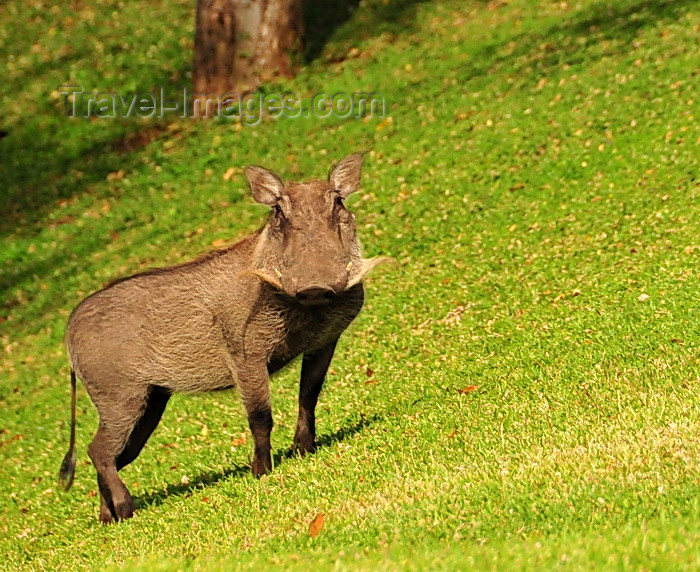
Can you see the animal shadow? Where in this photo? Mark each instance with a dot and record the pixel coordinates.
(204, 480)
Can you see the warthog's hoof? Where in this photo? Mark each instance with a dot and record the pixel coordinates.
(121, 511)
(304, 443)
(261, 466)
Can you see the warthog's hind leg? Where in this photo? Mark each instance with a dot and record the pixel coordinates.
(157, 400)
(115, 501)
(126, 423)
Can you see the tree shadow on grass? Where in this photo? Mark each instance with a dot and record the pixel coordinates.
(556, 45)
(334, 19)
(624, 21)
(280, 456)
(48, 159)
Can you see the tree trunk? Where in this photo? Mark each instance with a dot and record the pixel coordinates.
(240, 43)
(280, 38)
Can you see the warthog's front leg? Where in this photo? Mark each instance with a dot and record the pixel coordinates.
(255, 391)
(313, 373)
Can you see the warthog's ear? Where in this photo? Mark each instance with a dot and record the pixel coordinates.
(345, 176)
(266, 186)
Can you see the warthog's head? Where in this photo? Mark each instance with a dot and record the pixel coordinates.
(308, 248)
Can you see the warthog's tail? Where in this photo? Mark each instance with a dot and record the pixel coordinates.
(67, 472)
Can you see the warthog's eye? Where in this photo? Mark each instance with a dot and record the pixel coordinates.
(340, 213)
(279, 218)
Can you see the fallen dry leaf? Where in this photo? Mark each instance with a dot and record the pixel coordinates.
(316, 525)
(115, 175)
(16, 437)
(467, 389)
(388, 121)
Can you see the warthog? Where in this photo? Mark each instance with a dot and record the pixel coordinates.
(229, 319)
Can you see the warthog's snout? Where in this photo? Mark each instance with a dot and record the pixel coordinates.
(318, 294)
(315, 295)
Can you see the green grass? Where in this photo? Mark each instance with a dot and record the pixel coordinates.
(537, 182)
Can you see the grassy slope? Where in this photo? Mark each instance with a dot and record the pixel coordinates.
(537, 182)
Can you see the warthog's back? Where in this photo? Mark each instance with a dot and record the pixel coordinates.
(162, 327)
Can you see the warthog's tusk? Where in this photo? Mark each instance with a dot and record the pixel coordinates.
(266, 276)
(368, 264)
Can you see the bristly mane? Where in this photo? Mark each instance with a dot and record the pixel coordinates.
(203, 258)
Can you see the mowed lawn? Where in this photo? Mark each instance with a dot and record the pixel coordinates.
(521, 393)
